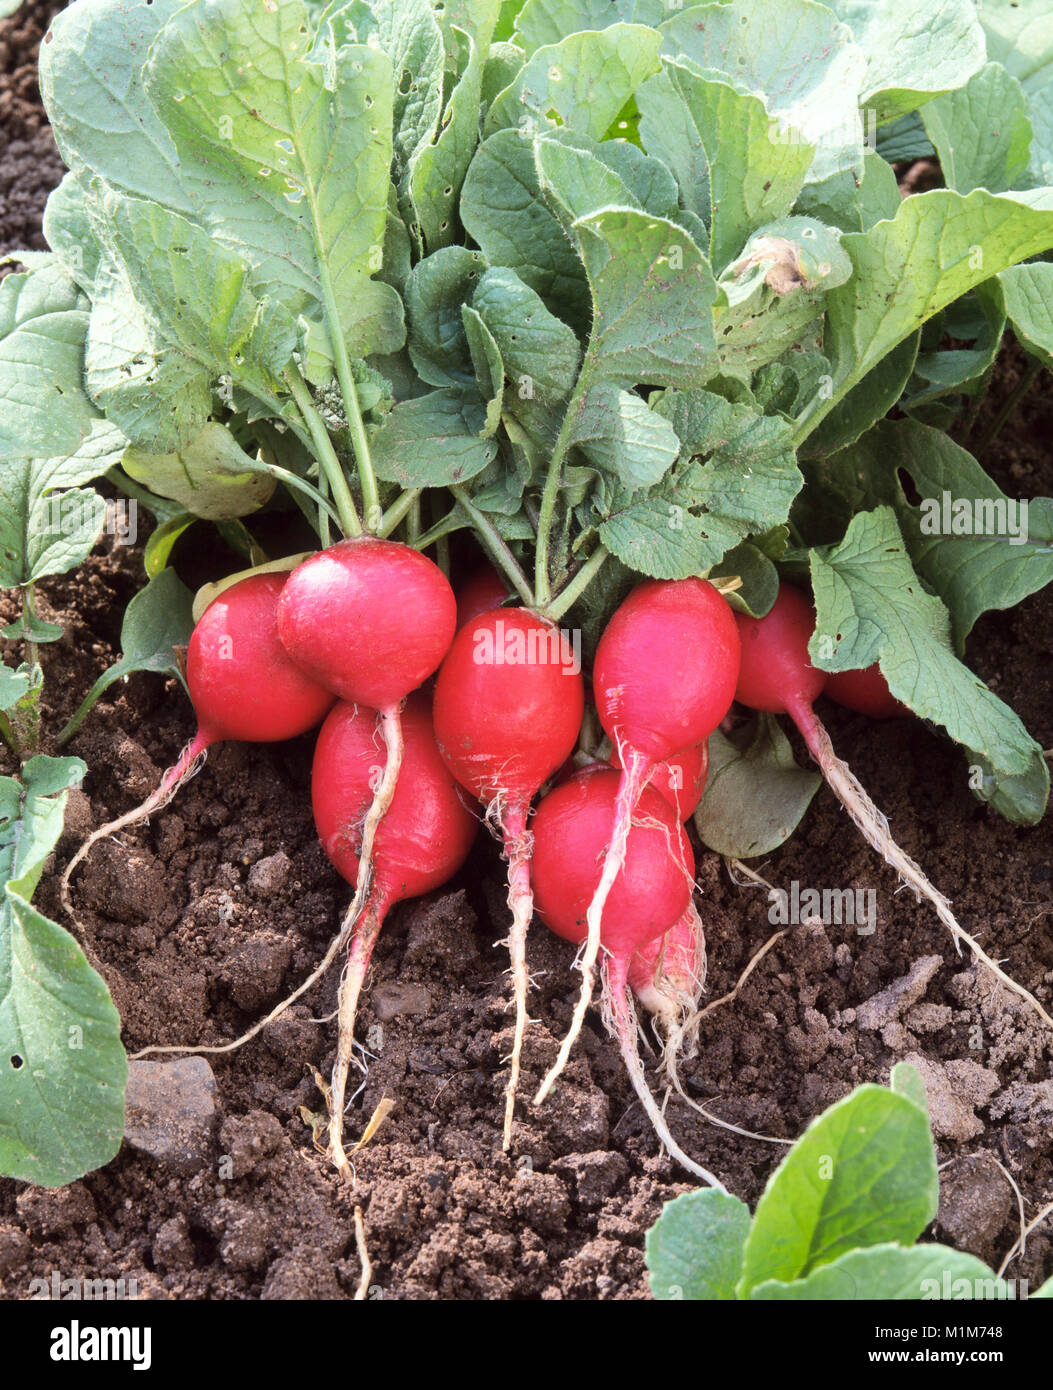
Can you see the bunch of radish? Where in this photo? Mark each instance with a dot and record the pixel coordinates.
(401, 777)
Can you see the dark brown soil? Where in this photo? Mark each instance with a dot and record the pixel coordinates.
(201, 929)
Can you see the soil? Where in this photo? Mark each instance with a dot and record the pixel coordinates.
(206, 917)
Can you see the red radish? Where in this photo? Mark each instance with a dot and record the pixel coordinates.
(243, 686)
(650, 894)
(667, 976)
(484, 590)
(866, 692)
(681, 779)
(508, 706)
(778, 676)
(369, 619)
(423, 839)
(663, 679)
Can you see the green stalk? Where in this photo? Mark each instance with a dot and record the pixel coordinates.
(441, 528)
(326, 454)
(401, 507)
(495, 545)
(7, 733)
(29, 611)
(1010, 403)
(542, 579)
(572, 591)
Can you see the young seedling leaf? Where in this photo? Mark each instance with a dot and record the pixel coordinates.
(891, 1273)
(695, 1248)
(755, 793)
(62, 1066)
(862, 1174)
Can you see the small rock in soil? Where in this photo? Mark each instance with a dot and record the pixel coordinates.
(173, 1248)
(301, 1274)
(887, 1007)
(14, 1247)
(245, 1242)
(52, 1213)
(394, 998)
(248, 1139)
(597, 1175)
(255, 969)
(170, 1111)
(975, 1204)
(955, 1089)
(269, 875)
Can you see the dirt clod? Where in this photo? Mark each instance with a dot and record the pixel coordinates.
(171, 1110)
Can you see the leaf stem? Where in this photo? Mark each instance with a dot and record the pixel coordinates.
(550, 494)
(7, 733)
(1010, 403)
(360, 440)
(573, 590)
(400, 508)
(326, 454)
(494, 543)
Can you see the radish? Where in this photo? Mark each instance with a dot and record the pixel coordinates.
(667, 976)
(681, 779)
(777, 676)
(243, 686)
(422, 840)
(508, 706)
(663, 679)
(649, 895)
(866, 692)
(482, 590)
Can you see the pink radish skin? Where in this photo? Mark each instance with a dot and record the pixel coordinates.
(368, 619)
(650, 894)
(243, 686)
(777, 676)
(664, 677)
(421, 840)
(865, 692)
(681, 779)
(481, 592)
(504, 727)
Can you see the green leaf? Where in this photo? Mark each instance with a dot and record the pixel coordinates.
(542, 22)
(295, 179)
(938, 246)
(910, 55)
(91, 81)
(995, 568)
(904, 140)
(43, 406)
(14, 685)
(69, 232)
(795, 56)
(1022, 798)
(620, 435)
(434, 440)
(1020, 37)
(755, 793)
(540, 353)
(162, 541)
(48, 522)
(695, 1248)
(581, 176)
(157, 395)
(652, 292)
(63, 1067)
(906, 1080)
(734, 170)
(871, 607)
(503, 211)
(212, 477)
(489, 369)
(157, 625)
(979, 318)
(437, 171)
(982, 132)
(865, 404)
(889, 1272)
(583, 81)
(760, 578)
(437, 288)
(862, 1174)
(1029, 306)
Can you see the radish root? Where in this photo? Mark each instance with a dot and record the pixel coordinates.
(631, 785)
(518, 849)
(364, 938)
(620, 1017)
(873, 826)
(190, 762)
